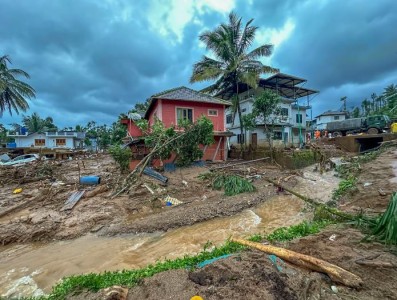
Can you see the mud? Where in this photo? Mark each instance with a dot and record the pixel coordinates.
(36, 215)
(375, 185)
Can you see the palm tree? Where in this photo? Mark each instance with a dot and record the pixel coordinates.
(390, 94)
(366, 106)
(232, 64)
(35, 123)
(373, 97)
(13, 92)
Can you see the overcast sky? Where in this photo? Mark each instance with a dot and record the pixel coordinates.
(92, 60)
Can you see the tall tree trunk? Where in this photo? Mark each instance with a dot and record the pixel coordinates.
(241, 121)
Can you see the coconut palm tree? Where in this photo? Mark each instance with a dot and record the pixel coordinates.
(390, 94)
(35, 123)
(366, 105)
(232, 63)
(13, 92)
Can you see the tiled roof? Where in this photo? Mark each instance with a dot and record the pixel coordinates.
(184, 93)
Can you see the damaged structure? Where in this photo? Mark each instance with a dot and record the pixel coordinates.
(183, 103)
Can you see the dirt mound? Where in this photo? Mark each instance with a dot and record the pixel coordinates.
(246, 276)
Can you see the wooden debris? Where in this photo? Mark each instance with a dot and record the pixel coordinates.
(98, 190)
(337, 274)
(333, 211)
(239, 163)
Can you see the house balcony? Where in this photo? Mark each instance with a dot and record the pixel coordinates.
(79, 135)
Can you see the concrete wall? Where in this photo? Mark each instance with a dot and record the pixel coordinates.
(50, 142)
(169, 108)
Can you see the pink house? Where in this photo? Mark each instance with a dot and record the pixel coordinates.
(184, 103)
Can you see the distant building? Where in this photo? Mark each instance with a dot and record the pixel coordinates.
(290, 124)
(52, 140)
(329, 116)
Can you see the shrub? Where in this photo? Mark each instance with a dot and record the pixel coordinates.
(122, 156)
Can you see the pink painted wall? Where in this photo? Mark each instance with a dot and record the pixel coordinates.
(168, 110)
(132, 128)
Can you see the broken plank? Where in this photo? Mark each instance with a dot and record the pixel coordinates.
(73, 199)
(239, 163)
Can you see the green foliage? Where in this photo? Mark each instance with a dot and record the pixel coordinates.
(13, 92)
(232, 63)
(266, 110)
(346, 185)
(385, 228)
(35, 123)
(121, 155)
(350, 171)
(266, 106)
(183, 140)
(95, 282)
(248, 121)
(296, 231)
(232, 184)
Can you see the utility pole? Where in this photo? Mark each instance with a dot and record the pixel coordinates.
(344, 102)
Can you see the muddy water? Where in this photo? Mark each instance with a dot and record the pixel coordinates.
(32, 269)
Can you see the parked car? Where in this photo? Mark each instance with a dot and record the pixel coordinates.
(20, 160)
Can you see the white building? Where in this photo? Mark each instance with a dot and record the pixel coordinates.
(290, 124)
(329, 116)
(61, 139)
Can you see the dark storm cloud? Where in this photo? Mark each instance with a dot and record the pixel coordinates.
(86, 61)
(91, 60)
(341, 47)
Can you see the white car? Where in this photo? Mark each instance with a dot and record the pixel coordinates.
(20, 160)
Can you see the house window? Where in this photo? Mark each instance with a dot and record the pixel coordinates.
(212, 112)
(60, 142)
(299, 118)
(336, 117)
(284, 112)
(277, 135)
(229, 119)
(39, 142)
(243, 110)
(240, 138)
(184, 114)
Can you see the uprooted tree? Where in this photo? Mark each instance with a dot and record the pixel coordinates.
(183, 140)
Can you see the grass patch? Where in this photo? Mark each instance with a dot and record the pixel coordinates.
(231, 184)
(350, 171)
(94, 282)
(345, 186)
(297, 231)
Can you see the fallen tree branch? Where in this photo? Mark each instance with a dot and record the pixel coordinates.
(312, 202)
(239, 163)
(376, 264)
(337, 274)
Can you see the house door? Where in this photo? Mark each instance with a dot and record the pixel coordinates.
(254, 140)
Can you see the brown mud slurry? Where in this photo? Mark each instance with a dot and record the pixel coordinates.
(251, 275)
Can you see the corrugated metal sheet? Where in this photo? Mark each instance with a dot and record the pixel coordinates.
(73, 199)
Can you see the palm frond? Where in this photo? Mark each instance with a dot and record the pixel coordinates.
(264, 50)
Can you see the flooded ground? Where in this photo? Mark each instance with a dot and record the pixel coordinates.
(32, 269)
